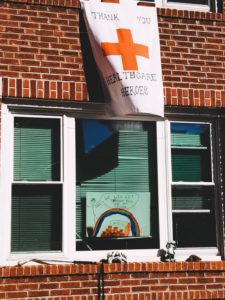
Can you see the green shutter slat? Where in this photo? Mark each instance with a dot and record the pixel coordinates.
(186, 167)
(187, 203)
(192, 197)
(184, 139)
(190, 150)
(191, 162)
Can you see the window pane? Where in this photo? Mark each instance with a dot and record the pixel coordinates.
(36, 149)
(36, 218)
(192, 205)
(192, 198)
(194, 229)
(202, 2)
(116, 184)
(190, 152)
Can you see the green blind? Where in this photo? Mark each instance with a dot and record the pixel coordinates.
(36, 149)
(185, 139)
(191, 198)
(130, 156)
(190, 151)
(36, 218)
(186, 165)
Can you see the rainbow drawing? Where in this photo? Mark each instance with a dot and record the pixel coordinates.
(135, 229)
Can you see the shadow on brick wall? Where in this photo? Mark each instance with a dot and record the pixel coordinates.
(94, 87)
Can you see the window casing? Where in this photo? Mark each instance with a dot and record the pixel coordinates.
(192, 184)
(36, 187)
(200, 5)
(116, 185)
(79, 171)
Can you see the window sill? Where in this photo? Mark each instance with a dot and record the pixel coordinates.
(193, 7)
(206, 254)
(209, 254)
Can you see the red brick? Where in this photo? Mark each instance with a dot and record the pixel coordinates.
(59, 292)
(196, 287)
(214, 286)
(49, 286)
(16, 295)
(140, 288)
(79, 291)
(159, 288)
(119, 290)
(72, 284)
(27, 286)
(187, 280)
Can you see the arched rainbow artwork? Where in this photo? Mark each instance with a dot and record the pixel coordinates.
(134, 226)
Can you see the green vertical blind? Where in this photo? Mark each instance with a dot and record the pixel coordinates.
(36, 209)
(36, 149)
(121, 162)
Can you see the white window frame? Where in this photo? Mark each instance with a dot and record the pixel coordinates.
(68, 179)
(205, 252)
(182, 6)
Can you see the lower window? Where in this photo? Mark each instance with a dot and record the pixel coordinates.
(36, 218)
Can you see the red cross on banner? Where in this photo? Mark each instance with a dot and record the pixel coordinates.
(126, 48)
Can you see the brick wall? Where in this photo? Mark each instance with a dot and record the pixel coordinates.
(40, 52)
(193, 53)
(132, 281)
(41, 55)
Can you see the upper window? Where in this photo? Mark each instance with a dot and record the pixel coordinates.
(202, 2)
(201, 5)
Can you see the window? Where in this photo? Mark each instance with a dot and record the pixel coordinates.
(74, 186)
(202, 2)
(116, 185)
(201, 5)
(36, 189)
(192, 185)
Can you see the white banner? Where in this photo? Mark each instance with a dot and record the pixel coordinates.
(125, 43)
